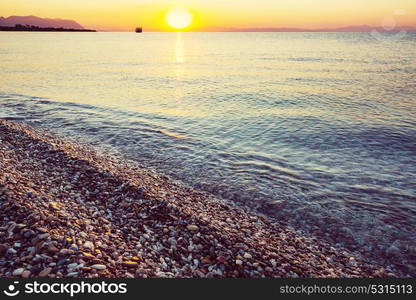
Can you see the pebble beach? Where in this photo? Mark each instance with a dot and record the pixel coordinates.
(69, 211)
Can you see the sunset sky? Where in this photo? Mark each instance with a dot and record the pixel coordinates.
(123, 15)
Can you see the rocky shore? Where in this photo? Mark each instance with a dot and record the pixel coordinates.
(68, 211)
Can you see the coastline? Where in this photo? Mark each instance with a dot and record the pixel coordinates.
(42, 29)
(68, 211)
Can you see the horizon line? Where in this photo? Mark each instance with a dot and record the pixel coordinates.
(347, 29)
(340, 28)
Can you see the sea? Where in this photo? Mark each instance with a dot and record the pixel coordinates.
(315, 130)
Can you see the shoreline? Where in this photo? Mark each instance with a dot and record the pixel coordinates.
(42, 29)
(68, 211)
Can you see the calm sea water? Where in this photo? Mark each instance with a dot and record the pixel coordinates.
(317, 129)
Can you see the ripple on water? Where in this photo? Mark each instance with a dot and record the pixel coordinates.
(323, 140)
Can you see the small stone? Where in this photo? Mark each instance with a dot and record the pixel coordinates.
(17, 245)
(11, 228)
(87, 256)
(72, 274)
(247, 255)
(238, 262)
(52, 249)
(82, 234)
(71, 266)
(26, 274)
(3, 249)
(222, 259)
(45, 272)
(11, 251)
(54, 205)
(192, 227)
(18, 272)
(61, 262)
(28, 234)
(160, 275)
(130, 264)
(207, 261)
(73, 247)
(63, 252)
(98, 267)
(43, 236)
(89, 245)
(172, 241)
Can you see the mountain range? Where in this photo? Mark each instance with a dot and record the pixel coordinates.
(361, 28)
(40, 22)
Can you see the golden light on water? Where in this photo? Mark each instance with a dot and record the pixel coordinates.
(179, 58)
(179, 18)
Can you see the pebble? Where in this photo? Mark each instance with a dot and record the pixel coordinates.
(31, 250)
(130, 264)
(192, 227)
(98, 267)
(11, 251)
(222, 259)
(3, 249)
(63, 252)
(71, 266)
(45, 272)
(89, 245)
(82, 234)
(52, 249)
(73, 247)
(87, 256)
(43, 236)
(18, 272)
(26, 274)
(28, 234)
(11, 228)
(54, 205)
(128, 222)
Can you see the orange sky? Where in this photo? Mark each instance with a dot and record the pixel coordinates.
(123, 15)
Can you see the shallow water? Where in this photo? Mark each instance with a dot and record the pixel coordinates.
(317, 129)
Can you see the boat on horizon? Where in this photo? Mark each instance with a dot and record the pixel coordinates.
(139, 29)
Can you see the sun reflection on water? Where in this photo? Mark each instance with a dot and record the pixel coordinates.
(179, 55)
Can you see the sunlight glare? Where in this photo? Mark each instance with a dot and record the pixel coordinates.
(179, 18)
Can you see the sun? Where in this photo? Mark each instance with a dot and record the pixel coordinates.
(179, 18)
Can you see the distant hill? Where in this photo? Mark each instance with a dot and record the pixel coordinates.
(366, 28)
(39, 22)
(362, 28)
